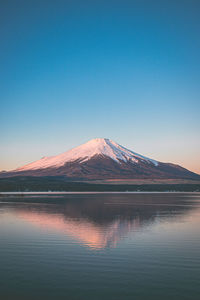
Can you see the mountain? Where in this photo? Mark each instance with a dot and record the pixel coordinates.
(102, 159)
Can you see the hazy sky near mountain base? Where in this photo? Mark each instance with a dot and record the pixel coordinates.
(76, 70)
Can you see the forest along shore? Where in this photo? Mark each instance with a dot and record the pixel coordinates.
(60, 184)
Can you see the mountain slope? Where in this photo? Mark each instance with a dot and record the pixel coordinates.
(101, 159)
(87, 151)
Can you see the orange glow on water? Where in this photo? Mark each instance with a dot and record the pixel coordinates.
(85, 232)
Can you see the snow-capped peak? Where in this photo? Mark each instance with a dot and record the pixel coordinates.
(82, 153)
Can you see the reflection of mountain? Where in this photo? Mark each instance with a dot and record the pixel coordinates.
(103, 221)
(86, 232)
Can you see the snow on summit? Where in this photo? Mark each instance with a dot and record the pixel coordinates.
(82, 153)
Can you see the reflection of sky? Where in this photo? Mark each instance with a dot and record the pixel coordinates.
(76, 70)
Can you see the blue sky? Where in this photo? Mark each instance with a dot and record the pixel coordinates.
(76, 70)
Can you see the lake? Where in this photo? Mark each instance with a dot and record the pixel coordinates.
(100, 246)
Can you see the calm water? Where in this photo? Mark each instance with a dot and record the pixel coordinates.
(111, 246)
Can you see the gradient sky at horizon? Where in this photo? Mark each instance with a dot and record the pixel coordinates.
(76, 70)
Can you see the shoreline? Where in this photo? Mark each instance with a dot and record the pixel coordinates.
(94, 192)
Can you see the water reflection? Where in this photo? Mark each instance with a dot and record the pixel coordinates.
(100, 221)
